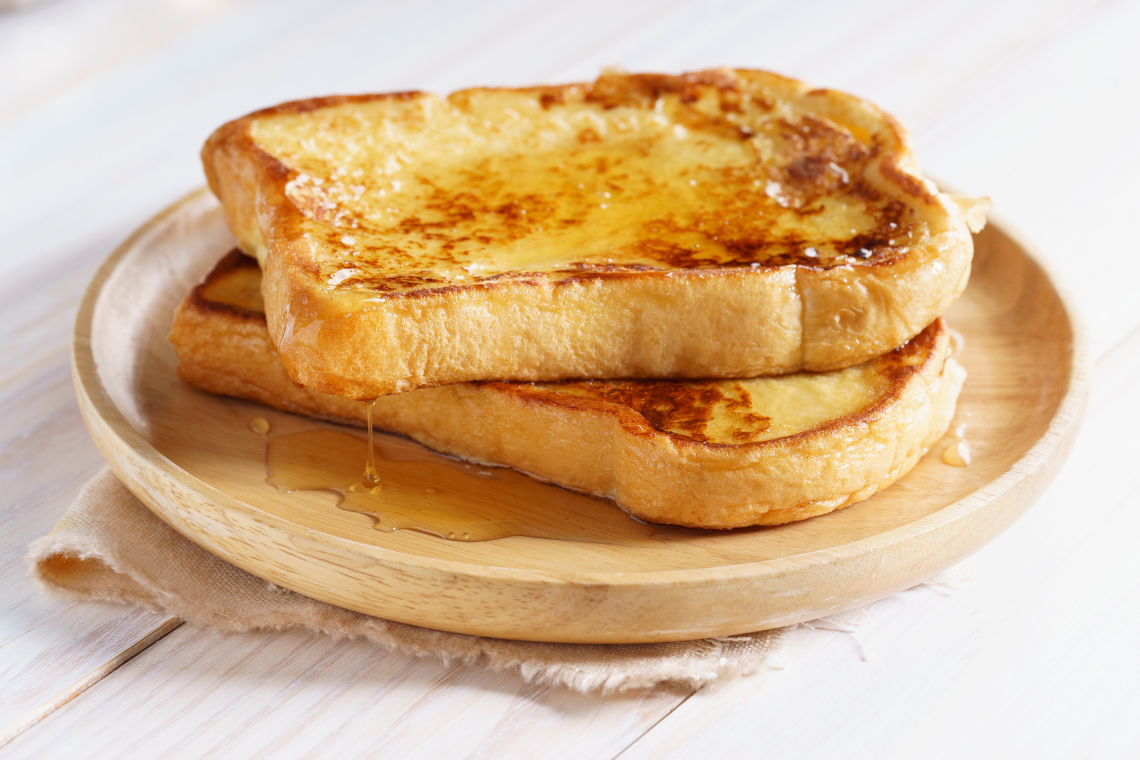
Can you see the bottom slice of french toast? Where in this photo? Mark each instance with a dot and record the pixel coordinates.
(701, 454)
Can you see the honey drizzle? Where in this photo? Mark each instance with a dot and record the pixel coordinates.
(958, 454)
(371, 476)
(429, 493)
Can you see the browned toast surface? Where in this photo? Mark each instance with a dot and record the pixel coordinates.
(720, 224)
(707, 453)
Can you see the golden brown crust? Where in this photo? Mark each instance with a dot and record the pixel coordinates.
(647, 445)
(759, 306)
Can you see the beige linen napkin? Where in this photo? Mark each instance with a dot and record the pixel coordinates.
(110, 547)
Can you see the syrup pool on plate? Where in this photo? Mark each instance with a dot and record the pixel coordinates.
(404, 486)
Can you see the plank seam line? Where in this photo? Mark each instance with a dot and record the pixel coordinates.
(1120, 346)
(656, 723)
(98, 674)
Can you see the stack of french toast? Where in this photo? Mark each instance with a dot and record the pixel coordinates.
(712, 298)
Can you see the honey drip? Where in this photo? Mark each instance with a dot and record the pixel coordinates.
(429, 493)
(371, 476)
(958, 454)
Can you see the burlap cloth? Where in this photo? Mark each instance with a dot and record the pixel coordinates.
(109, 547)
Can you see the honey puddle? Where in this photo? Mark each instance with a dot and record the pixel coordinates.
(422, 491)
(958, 454)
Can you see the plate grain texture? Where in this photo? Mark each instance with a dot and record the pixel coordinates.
(193, 460)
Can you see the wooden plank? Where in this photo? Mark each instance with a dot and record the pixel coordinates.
(52, 47)
(49, 650)
(285, 695)
(144, 636)
(1065, 170)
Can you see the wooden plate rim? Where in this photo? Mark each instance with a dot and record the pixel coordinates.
(1062, 425)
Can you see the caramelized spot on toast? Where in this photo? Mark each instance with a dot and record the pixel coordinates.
(683, 408)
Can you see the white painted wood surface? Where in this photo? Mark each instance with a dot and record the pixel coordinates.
(103, 105)
(49, 650)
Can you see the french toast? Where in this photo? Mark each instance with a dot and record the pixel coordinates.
(706, 454)
(717, 224)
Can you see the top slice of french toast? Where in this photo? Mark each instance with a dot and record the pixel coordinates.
(714, 224)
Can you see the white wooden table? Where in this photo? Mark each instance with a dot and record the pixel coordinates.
(103, 106)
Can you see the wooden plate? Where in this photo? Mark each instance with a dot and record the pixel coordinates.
(194, 461)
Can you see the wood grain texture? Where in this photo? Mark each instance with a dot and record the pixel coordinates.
(139, 639)
(271, 695)
(192, 459)
(50, 650)
(53, 50)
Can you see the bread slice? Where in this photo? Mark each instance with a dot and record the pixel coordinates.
(715, 224)
(707, 454)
